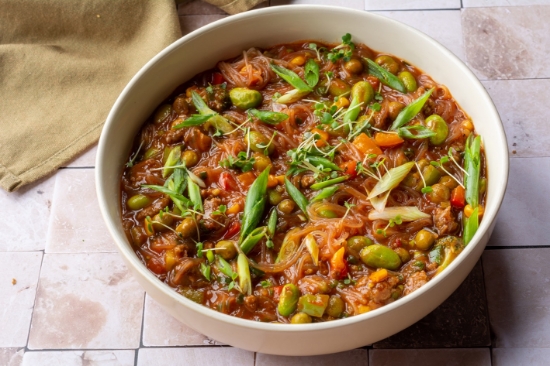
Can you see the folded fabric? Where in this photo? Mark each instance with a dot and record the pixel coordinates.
(62, 66)
(234, 6)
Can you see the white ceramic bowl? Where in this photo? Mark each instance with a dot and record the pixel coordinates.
(227, 38)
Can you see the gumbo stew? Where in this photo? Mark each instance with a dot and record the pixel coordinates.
(302, 183)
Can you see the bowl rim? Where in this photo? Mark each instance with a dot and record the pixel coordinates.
(129, 254)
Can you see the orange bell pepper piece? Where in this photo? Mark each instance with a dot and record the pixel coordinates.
(366, 145)
(383, 139)
(338, 265)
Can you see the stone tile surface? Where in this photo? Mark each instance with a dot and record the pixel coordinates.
(189, 23)
(528, 198)
(523, 107)
(460, 322)
(195, 356)
(161, 329)
(86, 301)
(83, 358)
(430, 357)
(25, 227)
(358, 357)
(76, 224)
(442, 25)
(86, 159)
(521, 356)
(18, 280)
(411, 4)
(486, 3)
(11, 356)
(490, 34)
(518, 293)
(353, 4)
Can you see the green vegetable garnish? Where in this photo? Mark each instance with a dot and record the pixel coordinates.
(272, 223)
(245, 282)
(272, 118)
(253, 238)
(329, 182)
(254, 204)
(219, 122)
(194, 120)
(291, 77)
(195, 195)
(410, 111)
(297, 196)
(386, 77)
(325, 193)
(311, 73)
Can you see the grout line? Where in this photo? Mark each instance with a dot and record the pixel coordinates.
(76, 167)
(435, 9)
(500, 247)
(142, 321)
(34, 303)
(136, 356)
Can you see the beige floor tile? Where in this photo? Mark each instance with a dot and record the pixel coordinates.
(430, 357)
(24, 216)
(87, 301)
(528, 198)
(86, 159)
(518, 294)
(356, 357)
(411, 4)
(523, 107)
(76, 224)
(507, 42)
(161, 329)
(189, 23)
(353, 4)
(18, 280)
(442, 25)
(521, 356)
(84, 358)
(484, 3)
(225, 356)
(11, 356)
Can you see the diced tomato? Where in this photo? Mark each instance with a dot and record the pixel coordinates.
(349, 168)
(457, 197)
(227, 182)
(232, 230)
(277, 292)
(217, 78)
(338, 265)
(374, 81)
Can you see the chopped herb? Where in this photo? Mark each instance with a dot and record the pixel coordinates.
(130, 162)
(241, 162)
(375, 107)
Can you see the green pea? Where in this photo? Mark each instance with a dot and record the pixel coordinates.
(388, 63)
(335, 306)
(162, 112)
(424, 239)
(150, 152)
(338, 87)
(358, 242)
(288, 300)
(226, 249)
(380, 256)
(431, 174)
(274, 197)
(439, 193)
(255, 138)
(244, 98)
(138, 202)
(448, 182)
(189, 158)
(439, 126)
(300, 318)
(327, 214)
(261, 162)
(403, 254)
(187, 227)
(286, 206)
(353, 66)
(408, 80)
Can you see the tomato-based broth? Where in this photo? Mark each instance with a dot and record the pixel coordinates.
(304, 182)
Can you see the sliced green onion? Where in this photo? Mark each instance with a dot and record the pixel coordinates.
(313, 248)
(253, 238)
(169, 192)
(410, 111)
(386, 77)
(325, 193)
(205, 270)
(406, 213)
(172, 159)
(245, 283)
(226, 268)
(272, 118)
(421, 132)
(254, 204)
(318, 161)
(472, 161)
(219, 122)
(195, 195)
(196, 179)
(311, 72)
(291, 77)
(292, 96)
(471, 224)
(194, 120)
(210, 256)
(329, 182)
(272, 223)
(297, 196)
(380, 193)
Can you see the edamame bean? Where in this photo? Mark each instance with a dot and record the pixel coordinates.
(189, 158)
(358, 242)
(244, 98)
(335, 306)
(439, 126)
(362, 92)
(288, 300)
(353, 66)
(408, 80)
(388, 63)
(255, 138)
(403, 254)
(439, 193)
(431, 174)
(380, 256)
(274, 197)
(160, 223)
(286, 206)
(187, 227)
(338, 87)
(162, 112)
(424, 239)
(138, 202)
(300, 318)
(261, 162)
(226, 249)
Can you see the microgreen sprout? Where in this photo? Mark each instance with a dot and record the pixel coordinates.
(391, 223)
(130, 162)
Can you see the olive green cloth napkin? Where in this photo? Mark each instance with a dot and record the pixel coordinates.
(62, 65)
(234, 6)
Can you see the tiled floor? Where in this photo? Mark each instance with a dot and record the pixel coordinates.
(62, 259)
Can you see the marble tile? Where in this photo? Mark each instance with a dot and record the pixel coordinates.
(195, 356)
(353, 4)
(18, 280)
(430, 357)
(356, 358)
(518, 293)
(411, 4)
(507, 42)
(17, 231)
(528, 198)
(523, 107)
(11, 356)
(86, 159)
(86, 301)
(76, 224)
(462, 321)
(189, 23)
(83, 358)
(486, 3)
(521, 356)
(161, 329)
(442, 25)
